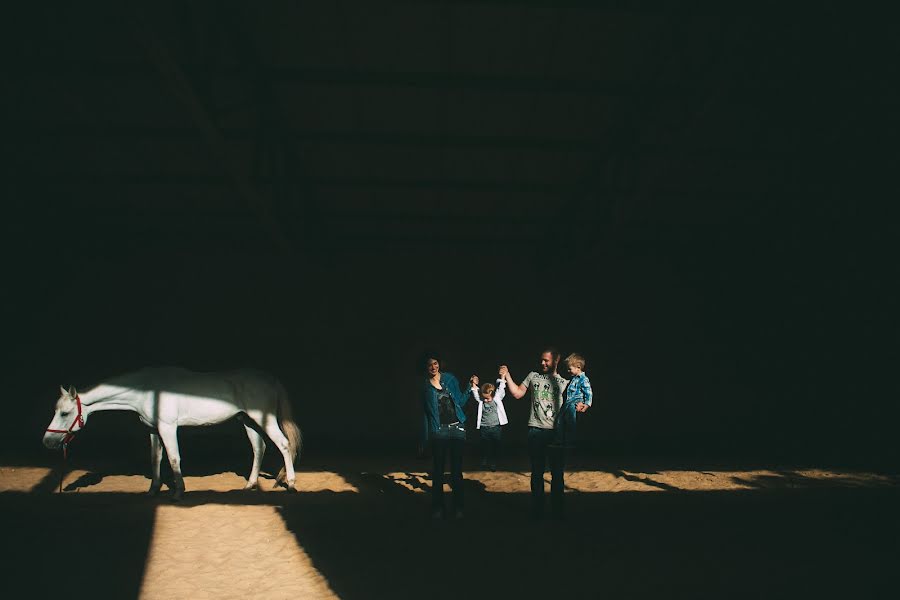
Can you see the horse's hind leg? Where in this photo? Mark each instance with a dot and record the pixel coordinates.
(169, 435)
(259, 448)
(281, 442)
(156, 451)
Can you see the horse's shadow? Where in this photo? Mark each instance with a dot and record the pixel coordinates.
(397, 489)
(93, 478)
(86, 480)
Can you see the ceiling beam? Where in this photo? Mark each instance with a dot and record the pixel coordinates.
(518, 188)
(416, 140)
(436, 80)
(183, 89)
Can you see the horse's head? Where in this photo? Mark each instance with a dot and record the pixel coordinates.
(67, 419)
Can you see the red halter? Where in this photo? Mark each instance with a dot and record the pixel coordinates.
(79, 420)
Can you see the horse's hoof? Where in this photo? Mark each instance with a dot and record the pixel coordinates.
(153, 491)
(290, 486)
(252, 486)
(177, 496)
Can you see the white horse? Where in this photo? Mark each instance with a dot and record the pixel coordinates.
(166, 398)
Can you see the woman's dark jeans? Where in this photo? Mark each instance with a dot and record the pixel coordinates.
(540, 449)
(447, 440)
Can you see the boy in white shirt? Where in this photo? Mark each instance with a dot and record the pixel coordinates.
(491, 417)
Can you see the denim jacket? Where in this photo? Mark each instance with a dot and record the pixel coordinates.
(430, 404)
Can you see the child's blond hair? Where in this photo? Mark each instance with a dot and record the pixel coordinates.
(576, 360)
(488, 388)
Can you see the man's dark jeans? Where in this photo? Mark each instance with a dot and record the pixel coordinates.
(447, 440)
(540, 450)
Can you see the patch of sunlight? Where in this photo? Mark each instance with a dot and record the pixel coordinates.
(603, 481)
(660, 481)
(518, 482)
(25, 479)
(323, 481)
(92, 482)
(414, 482)
(502, 481)
(217, 551)
(848, 478)
(21, 479)
(701, 481)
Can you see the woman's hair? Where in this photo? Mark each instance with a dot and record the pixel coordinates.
(425, 357)
(488, 388)
(576, 360)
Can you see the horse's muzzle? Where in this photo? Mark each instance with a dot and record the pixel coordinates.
(53, 440)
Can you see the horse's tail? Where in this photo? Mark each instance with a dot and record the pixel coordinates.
(289, 428)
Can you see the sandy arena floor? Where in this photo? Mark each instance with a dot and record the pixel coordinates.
(359, 531)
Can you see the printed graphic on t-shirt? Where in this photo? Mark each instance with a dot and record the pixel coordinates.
(546, 397)
(446, 408)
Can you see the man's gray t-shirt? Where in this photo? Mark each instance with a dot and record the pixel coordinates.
(546, 398)
(489, 416)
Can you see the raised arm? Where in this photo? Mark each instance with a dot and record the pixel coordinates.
(501, 390)
(515, 389)
(476, 393)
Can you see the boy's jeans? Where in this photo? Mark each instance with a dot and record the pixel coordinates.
(565, 425)
(490, 442)
(448, 439)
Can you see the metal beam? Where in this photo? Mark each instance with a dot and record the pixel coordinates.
(416, 140)
(717, 88)
(183, 89)
(702, 7)
(601, 210)
(435, 80)
(519, 188)
(275, 149)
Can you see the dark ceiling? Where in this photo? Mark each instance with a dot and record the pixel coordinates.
(288, 183)
(384, 122)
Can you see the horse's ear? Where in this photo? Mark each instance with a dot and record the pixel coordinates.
(72, 391)
(63, 391)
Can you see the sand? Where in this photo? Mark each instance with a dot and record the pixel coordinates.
(222, 542)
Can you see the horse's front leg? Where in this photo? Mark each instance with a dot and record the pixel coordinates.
(169, 435)
(156, 451)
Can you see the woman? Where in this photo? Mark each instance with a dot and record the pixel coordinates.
(444, 424)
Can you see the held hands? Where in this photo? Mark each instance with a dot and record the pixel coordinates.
(473, 380)
(503, 372)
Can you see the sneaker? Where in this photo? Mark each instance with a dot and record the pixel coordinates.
(493, 466)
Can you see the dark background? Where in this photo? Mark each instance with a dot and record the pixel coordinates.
(701, 201)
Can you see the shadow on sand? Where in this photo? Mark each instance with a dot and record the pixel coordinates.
(748, 544)
(379, 543)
